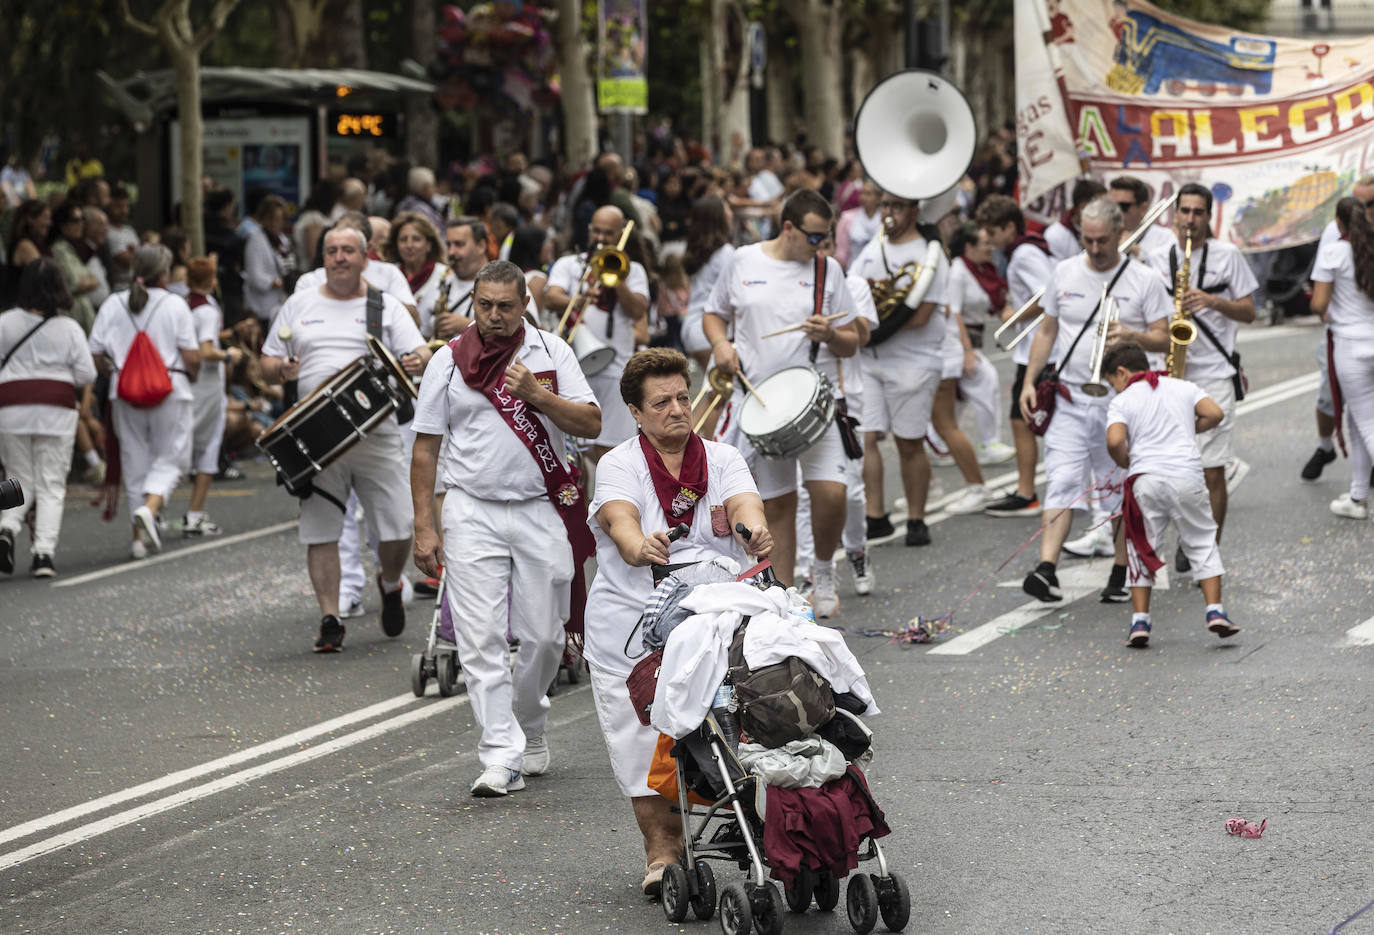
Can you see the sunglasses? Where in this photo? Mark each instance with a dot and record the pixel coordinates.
(815, 239)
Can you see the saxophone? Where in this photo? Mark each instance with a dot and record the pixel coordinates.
(890, 294)
(440, 309)
(1182, 331)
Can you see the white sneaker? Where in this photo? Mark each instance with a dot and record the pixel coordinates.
(146, 525)
(824, 601)
(972, 500)
(537, 757)
(1094, 542)
(1236, 469)
(944, 460)
(995, 453)
(407, 591)
(351, 608)
(94, 474)
(497, 781)
(864, 578)
(138, 550)
(1351, 509)
(202, 526)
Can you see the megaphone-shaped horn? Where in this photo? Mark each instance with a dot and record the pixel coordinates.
(915, 134)
(593, 354)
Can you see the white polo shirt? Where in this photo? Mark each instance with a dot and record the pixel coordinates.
(1063, 242)
(919, 347)
(207, 320)
(1160, 424)
(383, 276)
(567, 271)
(1350, 316)
(1224, 266)
(482, 454)
(167, 320)
(1028, 269)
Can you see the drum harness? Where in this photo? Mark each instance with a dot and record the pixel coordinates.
(848, 425)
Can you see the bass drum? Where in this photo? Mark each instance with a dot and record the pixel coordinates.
(800, 409)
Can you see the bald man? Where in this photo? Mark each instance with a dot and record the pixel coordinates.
(610, 314)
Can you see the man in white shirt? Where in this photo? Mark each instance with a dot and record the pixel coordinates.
(769, 286)
(382, 276)
(1220, 295)
(1078, 469)
(610, 314)
(328, 331)
(498, 402)
(1132, 196)
(1063, 235)
(97, 227)
(122, 240)
(902, 368)
(466, 251)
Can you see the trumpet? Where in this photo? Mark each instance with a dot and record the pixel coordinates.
(1182, 331)
(609, 265)
(1107, 305)
(721, 385)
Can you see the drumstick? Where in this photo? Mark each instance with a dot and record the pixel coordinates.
(284, 333)
(750, 387)
(289, 391)
(827, 319)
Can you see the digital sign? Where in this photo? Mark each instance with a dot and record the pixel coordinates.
(378, 125)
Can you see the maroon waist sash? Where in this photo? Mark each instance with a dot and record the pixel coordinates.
(1134, 523)
(38, 393)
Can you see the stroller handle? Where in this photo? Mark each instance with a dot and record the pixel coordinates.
(766, 575)
(678, 531)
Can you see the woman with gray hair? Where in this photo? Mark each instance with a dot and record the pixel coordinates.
(153, 434)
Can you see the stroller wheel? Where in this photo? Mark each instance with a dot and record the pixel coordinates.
(447, 676)
(736, 916)
(704, 902)
(418, 675)
(827, 891)
(861, 900)
(674, 893)
(894, 902)
(799, 893)
(769, 913)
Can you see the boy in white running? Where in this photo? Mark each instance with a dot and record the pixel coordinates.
(1152, 429)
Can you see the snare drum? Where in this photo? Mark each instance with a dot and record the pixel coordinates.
(316, 431)
(801, 408)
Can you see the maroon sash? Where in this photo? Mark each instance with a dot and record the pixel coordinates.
(38, 393)
(678, 496)
(1133, 521)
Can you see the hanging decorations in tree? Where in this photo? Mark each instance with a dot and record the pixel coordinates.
(495, 57)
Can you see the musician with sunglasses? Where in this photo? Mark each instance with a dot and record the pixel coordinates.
(1220, 296)
(1132, 196)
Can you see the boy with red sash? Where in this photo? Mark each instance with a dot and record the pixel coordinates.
(499, 399)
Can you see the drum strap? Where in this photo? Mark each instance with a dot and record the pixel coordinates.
(405, 409)
(818, 304)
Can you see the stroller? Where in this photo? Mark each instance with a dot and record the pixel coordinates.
(439, 661)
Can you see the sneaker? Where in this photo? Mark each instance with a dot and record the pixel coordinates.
(1140, 633)
(537, 757)
(497, 781)
(146, 526)
(351, 609)
(1013, 504)
(331, 635)
(137, 550)
(1236, 470)
(202, 526)
(1350, 508)
(995, 453)
(941, 460)
(970, 501)
(917, 532)
(824, 601)
(1181, 563)
(864, 579)
(230, 472)
(1115, 593)
(1043, 584)
(1095, 542)
(393, 616)
(427, 587)
(879, 527)
(899, 505)
(407, 591)
(1220, 624)
(94, 474)
(42, 567)
(6, 551)
(1315, 464)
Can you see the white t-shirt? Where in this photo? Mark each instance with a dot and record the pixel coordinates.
(1071, 295)
(118, 239)
(1350, 316)
(385, 277)
(329, 334)
(618, 593)
(56, 351)
(482, 454)
(1063, 242)
(426, 295)
(1028, 269)
(1330, 234)
(920, 347)
(1161, 426)
(704, 279)
(1155, 238)
(1224, 266)
(760, 295)
(765, 186)
(567, 271)
(165, 318)
(852, 367)
(206, 321)
(966, 298)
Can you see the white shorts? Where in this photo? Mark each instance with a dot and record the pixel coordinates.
(1076, 459)
(1216, 444)
(617, 424)
(898, 397)
(207, 431)
(630, 743)
(1185, 503)
(823, 461)
(374, 469)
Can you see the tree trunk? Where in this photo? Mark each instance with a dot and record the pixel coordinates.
(299, 26)
(780, 93)
(819, 24)
(712, 56)
(579, 103)
(186, 64)
(733, 85)
(345, 35)
(422, 123)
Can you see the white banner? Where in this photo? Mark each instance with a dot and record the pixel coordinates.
(1045, 146)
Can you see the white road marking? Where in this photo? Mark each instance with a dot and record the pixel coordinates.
(1361, 634)
(1100, 563)
(172, 556)
(1077, 582)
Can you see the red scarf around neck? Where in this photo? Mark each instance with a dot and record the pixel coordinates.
(483, 361)
(1149, 376)
(1035, 240)
(1067, 220)
(994, 285)
(418, 281)
(678, 496)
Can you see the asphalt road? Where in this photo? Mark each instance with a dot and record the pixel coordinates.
(175, 759)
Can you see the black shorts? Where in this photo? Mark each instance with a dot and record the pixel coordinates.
(1017, 382)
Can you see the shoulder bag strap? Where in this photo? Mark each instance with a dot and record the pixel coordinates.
(1081, 331)
(374, 313)
(20, 343)
(819, 303)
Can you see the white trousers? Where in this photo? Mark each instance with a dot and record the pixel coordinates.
(39, 463)
(1355, 373)
(352, 579)
(1076, 458)
(207, 431)
(1185, 503)
(983, 392)
(154, 447)
(855, 529)
(492, 549)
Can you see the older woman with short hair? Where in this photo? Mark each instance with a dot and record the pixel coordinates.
(645, 486)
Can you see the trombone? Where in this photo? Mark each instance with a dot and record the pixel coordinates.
(608, 266)
(1159, 208)
(721, 385)
(1110, 313)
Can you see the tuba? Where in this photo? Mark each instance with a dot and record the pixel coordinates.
(1182, 331)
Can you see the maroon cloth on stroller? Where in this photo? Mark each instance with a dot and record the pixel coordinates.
(821, 828)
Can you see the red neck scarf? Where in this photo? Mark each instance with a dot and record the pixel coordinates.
(418, 281)
(1067, 220)
(196, 299)
(374, 256)
(678, 496)
(483, 361)
(1149, 376)
(994, 285)
(1035, 240)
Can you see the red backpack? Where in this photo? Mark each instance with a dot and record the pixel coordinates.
(144, 381)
